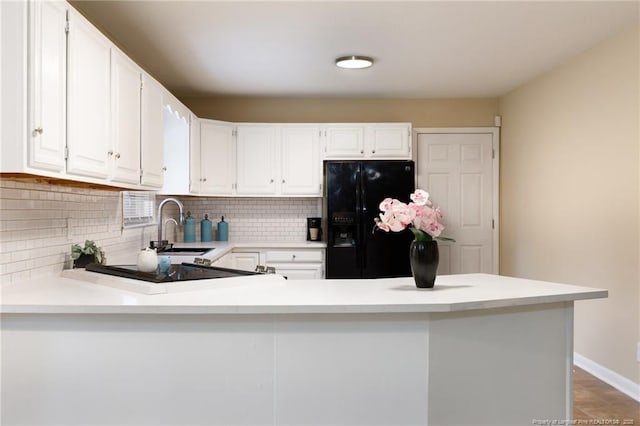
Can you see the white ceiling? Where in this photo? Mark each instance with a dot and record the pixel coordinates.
(420, 48)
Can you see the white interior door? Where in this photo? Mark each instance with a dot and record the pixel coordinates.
(459, 169)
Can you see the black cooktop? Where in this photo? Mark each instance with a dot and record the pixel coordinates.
(182, 272)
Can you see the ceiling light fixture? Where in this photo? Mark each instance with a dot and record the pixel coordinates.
(354, 62)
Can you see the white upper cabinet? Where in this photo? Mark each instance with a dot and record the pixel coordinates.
(344, 141)
(72, 104)
(88, 99)
(217, 158)
(301, 168)
(47, 85)
(367, 141)
(195, 178)
(257, 156)
(125, 119)
(278, 159)
(389, 141)
(176, 135)
(151, 136)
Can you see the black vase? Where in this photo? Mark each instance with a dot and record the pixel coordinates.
(424, 258)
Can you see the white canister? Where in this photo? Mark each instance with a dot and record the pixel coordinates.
(147, 260)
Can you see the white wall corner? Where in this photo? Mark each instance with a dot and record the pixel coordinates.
(610, 377)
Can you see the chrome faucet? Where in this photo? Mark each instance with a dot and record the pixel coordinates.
(180, 219)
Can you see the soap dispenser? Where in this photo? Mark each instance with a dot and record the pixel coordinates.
(189, 229)
(206, 229)
(223, 230)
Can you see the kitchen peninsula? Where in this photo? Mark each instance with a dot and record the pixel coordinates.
(262, 350)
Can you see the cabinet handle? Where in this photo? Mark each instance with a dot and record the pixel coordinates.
(110, 152)
(271, 181)
(164, 169)
(373, 151)
(282, 180)
(36, 132)
(117, 156)
(362, 151)
(204, 179)
(293, 257)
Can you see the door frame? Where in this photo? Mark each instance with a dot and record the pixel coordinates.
(495, 132)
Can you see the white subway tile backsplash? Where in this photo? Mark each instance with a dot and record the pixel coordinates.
(250, 219)
(40, 221)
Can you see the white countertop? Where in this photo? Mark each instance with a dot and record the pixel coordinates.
(272, 294)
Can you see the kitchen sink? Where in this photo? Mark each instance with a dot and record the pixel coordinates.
(184, 251)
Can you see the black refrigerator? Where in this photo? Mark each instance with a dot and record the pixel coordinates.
(354, 190)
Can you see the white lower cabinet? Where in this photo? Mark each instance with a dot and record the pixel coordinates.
(297, 264)
(306, 271)
(246, 261)
(294, 263)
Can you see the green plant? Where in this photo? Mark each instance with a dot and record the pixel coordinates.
(90, 248)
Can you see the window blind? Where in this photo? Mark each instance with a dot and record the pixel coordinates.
(138, 208)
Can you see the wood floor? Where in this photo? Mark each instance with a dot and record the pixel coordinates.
(595, 402)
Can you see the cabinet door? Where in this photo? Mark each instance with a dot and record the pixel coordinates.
(344, 142)
(88, 99)
(389, 141)
(47, 85)
(176, 136)
(195, 144)
(257, 157)
(309, 271)
(151, 149)
(245, 261)
(125, 118)
(225, 261)
(301, 165)
(217, 161)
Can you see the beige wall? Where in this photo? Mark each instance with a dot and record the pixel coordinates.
(570, 192)
(420, 112)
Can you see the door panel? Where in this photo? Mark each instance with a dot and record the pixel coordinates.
(471, 202)
(457, 170)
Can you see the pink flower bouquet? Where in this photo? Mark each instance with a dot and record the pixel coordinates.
(419, 216)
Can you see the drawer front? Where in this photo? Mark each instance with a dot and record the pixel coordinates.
(299, 271)
(294, 256)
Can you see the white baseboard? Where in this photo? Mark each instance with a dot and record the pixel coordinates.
(610, 377)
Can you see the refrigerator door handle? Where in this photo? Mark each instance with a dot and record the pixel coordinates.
(358, 219)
